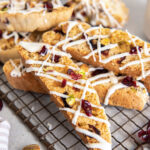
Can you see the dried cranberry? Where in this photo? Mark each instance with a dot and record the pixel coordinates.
(95, 129)
(83, 13)
(145, 135)
(1, 34)
(64, 100)
(87, 107)
(94, 45)
(69, 71)
(1, 104)
(141, 133)
(99, 71)
(134, 50)
(121, 59)
(49, 6)
(56, 58)
(76, 89)
(128, 81)
(105, 53)
(74, 75)
(64, 82)
(146, 138)
(43, 51)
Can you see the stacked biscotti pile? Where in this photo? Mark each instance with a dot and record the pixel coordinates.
(79, 65)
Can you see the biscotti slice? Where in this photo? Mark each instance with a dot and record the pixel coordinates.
(115, 50)
(31, 15)
(112, 90)
(9, 40)
(20, 78)
(109, 13)
(72, 92)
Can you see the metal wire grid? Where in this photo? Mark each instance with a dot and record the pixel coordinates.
(49, 125)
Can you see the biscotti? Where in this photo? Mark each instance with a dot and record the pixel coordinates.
(19, 78)
(71, 92)
(31, 15)
(9, 40)
(109, 13)
(115, 50)
(112, 90)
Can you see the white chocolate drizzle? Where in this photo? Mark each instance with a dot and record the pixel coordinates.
(84, 85)
(92, 9)
(76, 41)
(16, 72)
(25, 8)
(15, 35)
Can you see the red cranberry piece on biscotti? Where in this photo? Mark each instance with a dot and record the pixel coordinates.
(43, 51)
(87, 107)
(74, 75)
(56, 58)
(134, 50)
(48, 6)
(128, 81)
(64, 82)
(99, 71)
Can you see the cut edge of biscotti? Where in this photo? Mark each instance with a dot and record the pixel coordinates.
(79, 102)
(113, 49)
(36, 20)
(105, 83)
(18, 78)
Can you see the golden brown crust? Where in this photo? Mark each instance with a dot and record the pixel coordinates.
(51, 85)
(119, 37)
(26, 81)
(38, 21)
(129, 97)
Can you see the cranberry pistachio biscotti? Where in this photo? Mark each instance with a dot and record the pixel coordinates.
(9, 40)
(31, 15)
(109, 13)
(112, 90)
(72, 93)
(115, 50)
(21, 78)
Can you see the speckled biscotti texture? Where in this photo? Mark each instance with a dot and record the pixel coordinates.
(8, 41)
(18, 78)
(103, 81)
(109, 13)
(115, 50)
(71, 92)
(31, 15)
(113, 90)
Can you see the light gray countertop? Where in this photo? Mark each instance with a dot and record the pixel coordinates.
(20, 135)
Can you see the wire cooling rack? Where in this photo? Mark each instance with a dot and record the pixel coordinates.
(41, 115)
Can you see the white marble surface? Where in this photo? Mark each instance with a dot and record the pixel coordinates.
(20, 134)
